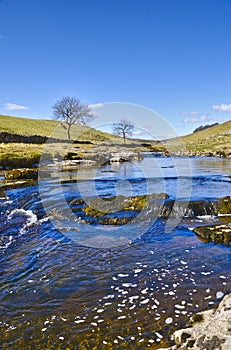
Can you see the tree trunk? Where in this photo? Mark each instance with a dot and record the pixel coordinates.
(69, 132)
(124, 136)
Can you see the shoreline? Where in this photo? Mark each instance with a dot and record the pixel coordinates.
(28, 155)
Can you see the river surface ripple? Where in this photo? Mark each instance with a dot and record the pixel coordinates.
(57, 294)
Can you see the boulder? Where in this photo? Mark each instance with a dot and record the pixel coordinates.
(207, 330)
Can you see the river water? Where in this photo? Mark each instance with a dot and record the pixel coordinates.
(57, 293)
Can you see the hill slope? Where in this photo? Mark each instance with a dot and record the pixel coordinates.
(26, 126)
(215, 140)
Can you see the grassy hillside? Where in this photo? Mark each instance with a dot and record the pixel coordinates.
(216, 139)
(23, 154)
(26, 126)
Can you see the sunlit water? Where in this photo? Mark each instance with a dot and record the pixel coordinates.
(57, 294)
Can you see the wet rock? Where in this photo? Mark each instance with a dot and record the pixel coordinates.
(73, 156)
(208, 330)
(151, 206)
(125, 157)
(21, 174)
(115, 221)
(224, 205)
(215, 233)
(100, 206)
(2, 194)
(68, 164)
(101, 158)
(189, 209)
(8, 185)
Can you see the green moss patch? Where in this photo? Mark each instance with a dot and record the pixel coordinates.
(22, 174)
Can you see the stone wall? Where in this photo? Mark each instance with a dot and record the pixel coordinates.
(6, 137)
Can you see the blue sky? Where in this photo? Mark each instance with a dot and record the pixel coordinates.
(172, 56)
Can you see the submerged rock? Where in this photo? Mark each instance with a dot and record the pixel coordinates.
(209, 330)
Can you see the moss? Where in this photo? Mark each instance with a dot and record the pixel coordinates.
(22, 174)
(224, 205)
(73, 156)
(136, 203)
(156, 148)
(98, 207)
(15, 160)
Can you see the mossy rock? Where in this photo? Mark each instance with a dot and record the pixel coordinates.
(115, 221)
(98, 207)
(100, 158)
(215, 233)
(135, 203)
(22, 174)
(2, 194)
(74, 156)
(224, 205)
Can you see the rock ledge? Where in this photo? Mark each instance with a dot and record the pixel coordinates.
(207, 330)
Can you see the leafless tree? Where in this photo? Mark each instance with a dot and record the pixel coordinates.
(123, 128)
(69, 110)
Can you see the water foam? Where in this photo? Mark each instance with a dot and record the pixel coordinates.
(31, 218)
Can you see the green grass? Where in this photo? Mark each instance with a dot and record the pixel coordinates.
(14, 155)
(215, 139)
(26, 126)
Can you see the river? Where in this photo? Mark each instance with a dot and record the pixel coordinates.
(57, 293)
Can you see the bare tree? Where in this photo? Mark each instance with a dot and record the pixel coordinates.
(123, 128)
(69, 110)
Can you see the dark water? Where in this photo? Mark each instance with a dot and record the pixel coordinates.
(58, 294)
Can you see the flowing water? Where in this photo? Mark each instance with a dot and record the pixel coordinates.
(59, 294)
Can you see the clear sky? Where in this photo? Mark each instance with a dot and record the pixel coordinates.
(173, 56)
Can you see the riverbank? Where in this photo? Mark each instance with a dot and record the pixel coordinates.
(19, 155)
